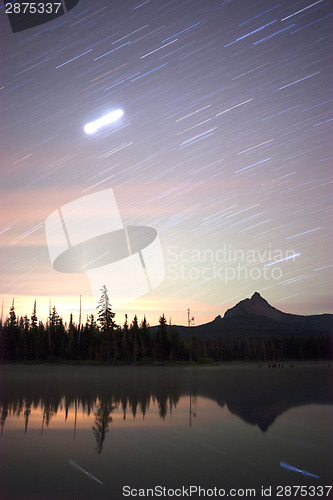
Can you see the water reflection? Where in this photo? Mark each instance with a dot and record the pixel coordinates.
(257, 395)
(102, 420)
(86, 432)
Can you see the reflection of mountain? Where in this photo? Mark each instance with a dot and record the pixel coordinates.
(256, 317)
(260, 395)
(256, 395)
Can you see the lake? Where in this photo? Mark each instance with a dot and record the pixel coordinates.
(98, 432)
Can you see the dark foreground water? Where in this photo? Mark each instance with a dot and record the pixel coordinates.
(112, 432)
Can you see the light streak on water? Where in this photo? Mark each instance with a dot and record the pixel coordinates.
(295, 469)
(76, 466)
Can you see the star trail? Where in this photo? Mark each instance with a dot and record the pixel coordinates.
(225, 139)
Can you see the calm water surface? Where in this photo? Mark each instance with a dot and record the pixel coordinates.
(86, 432)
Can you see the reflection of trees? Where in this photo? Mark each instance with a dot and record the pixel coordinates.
(102, 420)
(27, 412)
(48, 413)
(258, 396)
(193, 411)
(3, 416)
(87, 391)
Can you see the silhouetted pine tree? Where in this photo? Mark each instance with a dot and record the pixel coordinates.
(162, 339)
(72, 347)
(126, 348)
(90, 340)
(134, 329)
(107, 325)
(145, 339)
(12, 333)
(105, 313)
(34, 320)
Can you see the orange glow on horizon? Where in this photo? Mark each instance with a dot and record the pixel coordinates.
(151, 307)
(201, 407)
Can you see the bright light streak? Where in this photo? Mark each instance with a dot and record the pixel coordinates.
(296, 469)
(305, 8)
(282, 260)
(232, 107)
(92, 127)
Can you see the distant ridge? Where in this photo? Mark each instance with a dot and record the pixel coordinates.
(256, 317)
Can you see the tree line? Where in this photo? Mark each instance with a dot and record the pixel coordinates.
(101, 339)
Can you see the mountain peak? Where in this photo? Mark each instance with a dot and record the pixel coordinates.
(258, 299)
(255, 306)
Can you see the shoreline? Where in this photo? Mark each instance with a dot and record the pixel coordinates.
(185, 364)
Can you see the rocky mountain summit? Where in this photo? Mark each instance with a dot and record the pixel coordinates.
(256, 317)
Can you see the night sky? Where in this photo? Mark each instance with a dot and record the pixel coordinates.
(224, 148)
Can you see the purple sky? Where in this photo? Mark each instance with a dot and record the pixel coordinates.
(224, 148)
